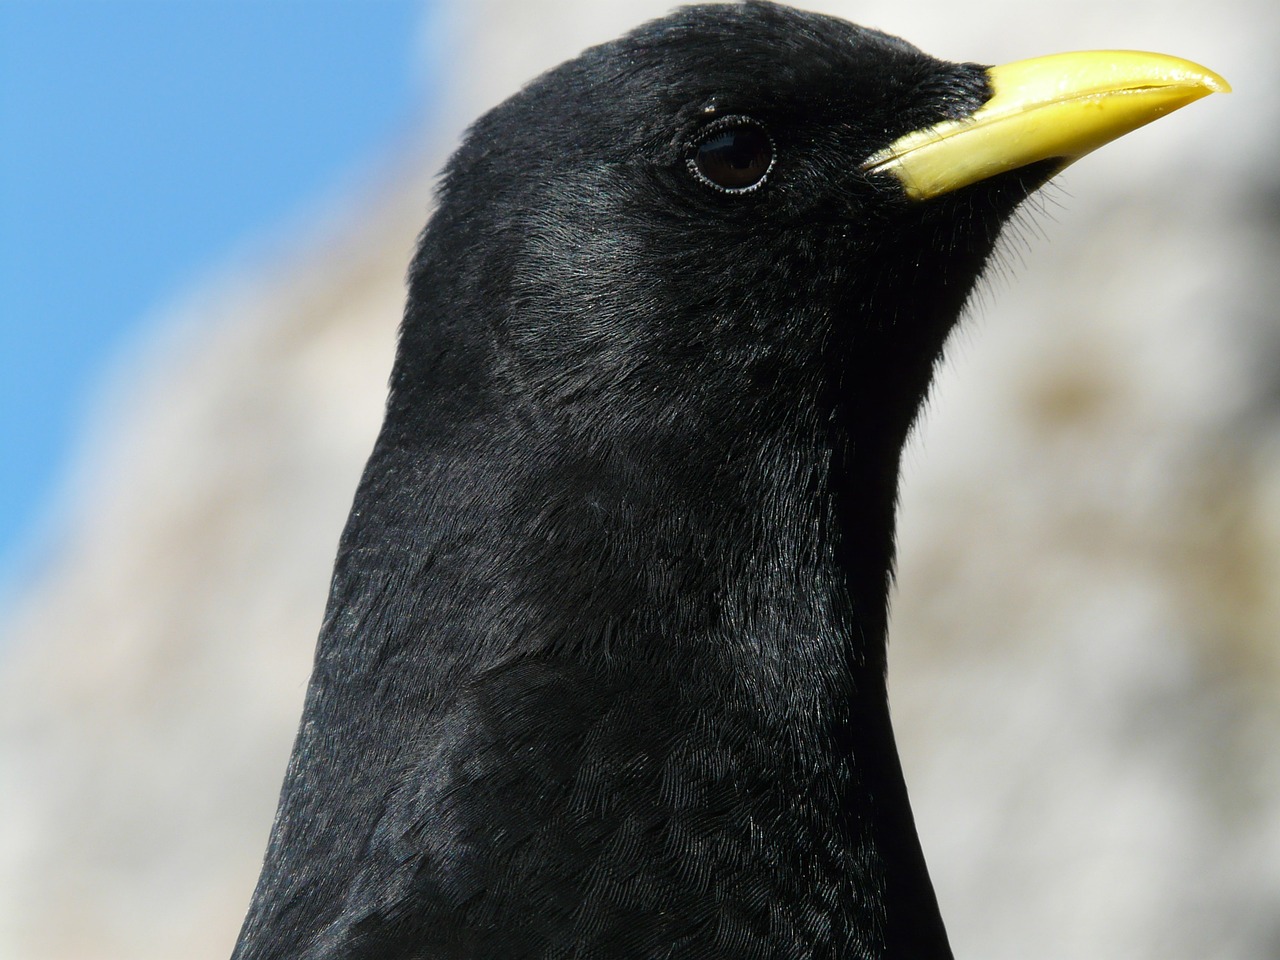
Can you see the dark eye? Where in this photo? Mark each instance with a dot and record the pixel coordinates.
(734, 155)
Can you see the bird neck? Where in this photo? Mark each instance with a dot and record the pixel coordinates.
(743, 570)
(808, 636)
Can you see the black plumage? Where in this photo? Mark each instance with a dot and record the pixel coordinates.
(602, 672)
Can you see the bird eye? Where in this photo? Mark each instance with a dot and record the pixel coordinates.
(734, 155)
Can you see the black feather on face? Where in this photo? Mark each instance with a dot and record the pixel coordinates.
(618, 260)
(602, 671)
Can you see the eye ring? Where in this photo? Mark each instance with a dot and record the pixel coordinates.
(733, 154)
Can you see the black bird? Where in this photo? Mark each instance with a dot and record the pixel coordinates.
(602, 673)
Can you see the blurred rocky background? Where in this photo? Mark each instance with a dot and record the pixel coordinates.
(1086, 632)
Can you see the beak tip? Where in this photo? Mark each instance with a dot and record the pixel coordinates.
(1216, 83)
(1197, 74)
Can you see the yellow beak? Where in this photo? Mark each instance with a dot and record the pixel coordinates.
(1058, 107)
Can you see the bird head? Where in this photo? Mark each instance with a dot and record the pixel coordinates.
(745, 213)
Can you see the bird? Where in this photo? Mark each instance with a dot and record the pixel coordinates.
(602, 672)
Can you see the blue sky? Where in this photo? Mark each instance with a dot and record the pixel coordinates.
(141, 141)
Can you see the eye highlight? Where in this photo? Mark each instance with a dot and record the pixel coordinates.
(732, 155)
